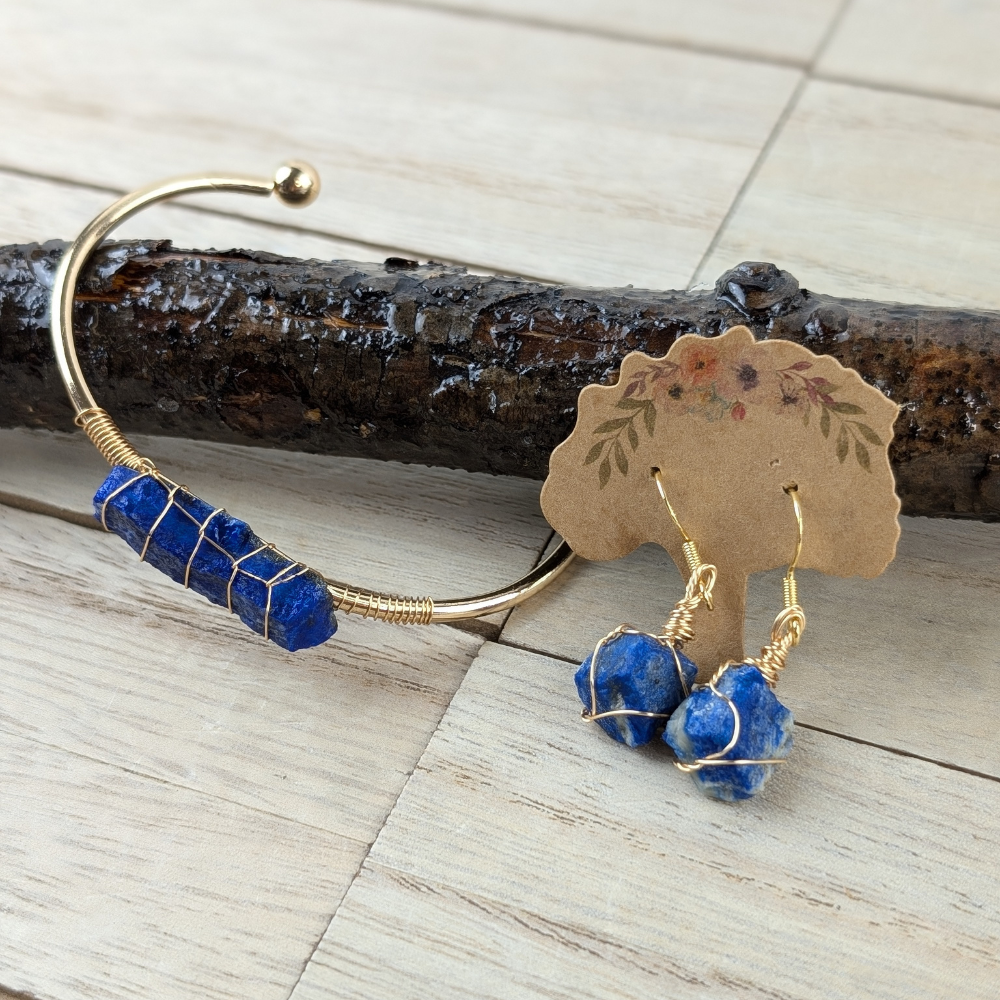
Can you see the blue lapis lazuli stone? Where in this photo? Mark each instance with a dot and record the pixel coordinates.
(301, 610)
(635, 671)
(704, 725)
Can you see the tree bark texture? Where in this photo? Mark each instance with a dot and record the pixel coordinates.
(427, 363)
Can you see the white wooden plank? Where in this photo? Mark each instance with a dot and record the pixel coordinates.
(108, 658)
(116, 885)
(530, 856)
(33, 210)
(948, 47)
(556, 154)
(908, 660)
(877, 195)
(779, 29)
(407, 528)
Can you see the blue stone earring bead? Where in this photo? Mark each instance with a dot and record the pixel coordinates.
(218, 556)
(631, 684)
(730, 733)
(633, 680)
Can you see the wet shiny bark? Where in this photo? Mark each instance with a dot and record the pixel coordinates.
(426, 363)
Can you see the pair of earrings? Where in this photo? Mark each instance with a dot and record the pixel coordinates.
(727, 734)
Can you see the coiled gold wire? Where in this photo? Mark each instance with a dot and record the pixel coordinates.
(786, 633)
(382, 607)
(679, 626)
(99, 426)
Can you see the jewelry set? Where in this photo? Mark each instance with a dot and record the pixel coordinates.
(728, 733)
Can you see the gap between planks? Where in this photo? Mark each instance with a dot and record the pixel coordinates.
(518, 637)
(589, 31)
(568, 866)
(494, 631)
(807, 64)
(513, 644)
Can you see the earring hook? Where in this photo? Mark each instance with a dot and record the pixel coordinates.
(791, 621)
(790, 586)
(691, 554)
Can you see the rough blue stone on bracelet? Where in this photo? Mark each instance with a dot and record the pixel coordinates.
(635, 671)
(704, 725)
(199, 546)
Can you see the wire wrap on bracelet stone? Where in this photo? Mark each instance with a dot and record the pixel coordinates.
(126, 505)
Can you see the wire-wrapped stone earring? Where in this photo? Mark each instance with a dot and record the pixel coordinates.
(634, 680)
(729, 733)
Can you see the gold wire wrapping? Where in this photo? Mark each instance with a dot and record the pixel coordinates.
(288, 572)
(786, 632)
(676, 631)
(382, 607)
(678, 627)
(99, 426)
(714, 759)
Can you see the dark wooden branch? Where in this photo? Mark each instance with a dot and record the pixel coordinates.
(430, 364)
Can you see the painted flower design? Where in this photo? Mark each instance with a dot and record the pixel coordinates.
(700, 383)
(699, 366)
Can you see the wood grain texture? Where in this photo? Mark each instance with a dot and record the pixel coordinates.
(110, 659)
(567, 866)
(116, 885)
(555, 154)
(908, 660)
(945, 47)
(106, 659)
(786, 30)
(879, 195)
(30, 206)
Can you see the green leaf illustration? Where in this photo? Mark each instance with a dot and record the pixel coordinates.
(649, 418)
(604, 472)
(630, 404)
(805, 419)
(843, 443)
(867, 433)
(845, 408)
(610, 425)
(861, 453)
(620, 460)
(824, 422)
(633, 438)
(595, 453)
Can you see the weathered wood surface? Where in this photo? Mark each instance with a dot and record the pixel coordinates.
(788, 31)
(879, 194)
(429, 363)
(947, 51)
(569, 144)
(184, 804)
(116, 885)
(566, 865)
(208, 709)
(579, 157)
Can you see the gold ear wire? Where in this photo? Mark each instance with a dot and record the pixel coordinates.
(790, 586)
(699, 571)
(791, 621)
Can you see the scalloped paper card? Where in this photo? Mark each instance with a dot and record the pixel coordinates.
(730, 421)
